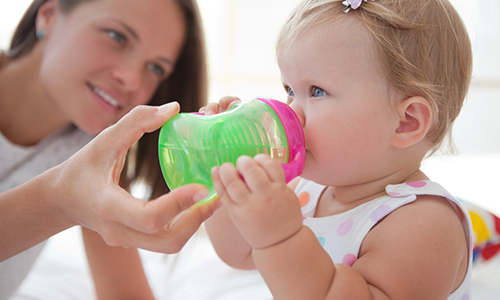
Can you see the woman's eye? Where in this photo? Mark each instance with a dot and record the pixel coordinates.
(317, 92)
(117, 37)
(156, 69)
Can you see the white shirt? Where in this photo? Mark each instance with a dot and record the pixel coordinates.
(19, 164)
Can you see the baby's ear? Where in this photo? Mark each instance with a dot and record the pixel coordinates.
(415, 119)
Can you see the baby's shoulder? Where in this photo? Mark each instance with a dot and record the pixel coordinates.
(429, 221)
(423, 241)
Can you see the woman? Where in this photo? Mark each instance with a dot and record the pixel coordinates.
(75, 67)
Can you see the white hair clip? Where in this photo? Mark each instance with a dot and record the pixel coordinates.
(352, 4)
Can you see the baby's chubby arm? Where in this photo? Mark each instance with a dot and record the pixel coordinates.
(267, 214)
(263, 200)
(229, 244)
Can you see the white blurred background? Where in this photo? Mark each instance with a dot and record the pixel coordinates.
(241, 38)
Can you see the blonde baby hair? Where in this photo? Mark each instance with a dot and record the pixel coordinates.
(421, 45)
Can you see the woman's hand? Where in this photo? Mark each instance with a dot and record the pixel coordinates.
(260, 204)
(224, 104)
(86, 188)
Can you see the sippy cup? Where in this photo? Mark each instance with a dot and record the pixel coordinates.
(191, 144)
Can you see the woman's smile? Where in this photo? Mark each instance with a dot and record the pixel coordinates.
(110, 104)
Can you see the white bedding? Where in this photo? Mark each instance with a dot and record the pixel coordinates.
(197, 273)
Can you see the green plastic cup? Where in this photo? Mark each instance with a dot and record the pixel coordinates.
(191, 144)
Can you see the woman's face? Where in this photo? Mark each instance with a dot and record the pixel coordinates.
(107, 56)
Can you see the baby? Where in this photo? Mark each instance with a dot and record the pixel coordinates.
(377, 86)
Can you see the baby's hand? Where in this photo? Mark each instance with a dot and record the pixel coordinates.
(260, 204)
(224, 104)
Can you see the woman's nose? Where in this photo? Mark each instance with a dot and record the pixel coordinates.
(128, 75)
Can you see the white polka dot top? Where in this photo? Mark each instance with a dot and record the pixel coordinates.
(341, 235)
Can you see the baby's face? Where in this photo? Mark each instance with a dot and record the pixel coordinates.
(339, 94)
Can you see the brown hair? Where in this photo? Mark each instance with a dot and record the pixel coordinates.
(421, 45)
(187, 84)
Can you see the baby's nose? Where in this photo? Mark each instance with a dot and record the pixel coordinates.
(300, 114)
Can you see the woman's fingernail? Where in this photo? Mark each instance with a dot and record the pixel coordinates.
(200, 195)
(168, 107)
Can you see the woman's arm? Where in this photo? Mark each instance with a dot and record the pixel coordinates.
(84, 190)
(117, 272)
(29, 216)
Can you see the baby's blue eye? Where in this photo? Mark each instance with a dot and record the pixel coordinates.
(317, 92)
(290, 92)
(156, 69)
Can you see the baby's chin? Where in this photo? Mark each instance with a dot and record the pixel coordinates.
(310, 176)
(322, 177)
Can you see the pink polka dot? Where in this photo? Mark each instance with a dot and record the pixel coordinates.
(303, 218)
(345, 227)
(380, 212)
(349, 259)
(417, 184)
(394, 193)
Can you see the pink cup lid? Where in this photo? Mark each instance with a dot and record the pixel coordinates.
(295, 136)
